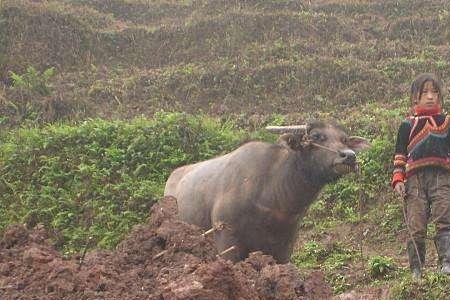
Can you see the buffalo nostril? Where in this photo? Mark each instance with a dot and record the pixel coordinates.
(350, 159)
(348, 156)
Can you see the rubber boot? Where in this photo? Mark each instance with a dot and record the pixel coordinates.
(416, 262)
(442, 243)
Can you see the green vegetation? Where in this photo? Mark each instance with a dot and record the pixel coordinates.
(380, 266)
(33, 81)
(99, 178)
(432, 286)
(333, 260)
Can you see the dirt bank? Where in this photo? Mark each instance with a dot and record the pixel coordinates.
(163, 259)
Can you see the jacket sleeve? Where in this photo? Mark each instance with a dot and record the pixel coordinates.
(401, 153)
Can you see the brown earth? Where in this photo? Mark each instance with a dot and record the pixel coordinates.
(163, 259)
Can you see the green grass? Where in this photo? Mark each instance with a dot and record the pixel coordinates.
(432, 286)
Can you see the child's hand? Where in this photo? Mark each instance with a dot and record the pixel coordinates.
(400, 189)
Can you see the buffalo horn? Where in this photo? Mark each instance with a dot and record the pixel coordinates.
(287, 129)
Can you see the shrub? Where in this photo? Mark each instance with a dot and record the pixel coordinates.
(28, 86)
(33, 81)
(380, 266)
(98, 179)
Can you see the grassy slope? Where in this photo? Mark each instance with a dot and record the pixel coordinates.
(345, 60)
(255, 56)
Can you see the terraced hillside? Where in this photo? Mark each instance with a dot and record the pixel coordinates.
(119, 58)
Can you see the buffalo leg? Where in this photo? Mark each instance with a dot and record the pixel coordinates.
(225, 239)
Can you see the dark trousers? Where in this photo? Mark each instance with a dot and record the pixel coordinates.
(428, 200)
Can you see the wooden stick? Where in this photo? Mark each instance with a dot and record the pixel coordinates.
(216, 227)
(209, 231)
(80, 263)
(226, 250)
(160, 254)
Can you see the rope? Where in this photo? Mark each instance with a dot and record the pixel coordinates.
(410, 233)
(324, 147)
(360, 212)
(404, 207)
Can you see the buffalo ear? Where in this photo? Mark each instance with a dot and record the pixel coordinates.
(291, 141)
(357, 143)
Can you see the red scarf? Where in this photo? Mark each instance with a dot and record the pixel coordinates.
(422, 111)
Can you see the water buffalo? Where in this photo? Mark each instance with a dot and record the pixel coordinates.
(255, 195)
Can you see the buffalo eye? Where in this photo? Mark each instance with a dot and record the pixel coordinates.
(317, 136)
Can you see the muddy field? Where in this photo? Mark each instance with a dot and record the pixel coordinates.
(163, 259)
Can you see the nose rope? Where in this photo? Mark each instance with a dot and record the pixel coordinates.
(324, 147)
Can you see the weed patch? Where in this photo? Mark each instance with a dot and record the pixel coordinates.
(333, 259)
(432, 286)
(380, 266)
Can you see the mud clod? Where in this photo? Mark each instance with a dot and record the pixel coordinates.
(164, 259)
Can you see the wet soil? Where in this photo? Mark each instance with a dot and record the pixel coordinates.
(162, 259)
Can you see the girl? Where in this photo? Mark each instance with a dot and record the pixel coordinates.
(422, 172)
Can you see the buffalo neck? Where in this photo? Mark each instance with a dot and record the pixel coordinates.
(295, 191)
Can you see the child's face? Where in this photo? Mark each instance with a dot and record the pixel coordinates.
(429, 96)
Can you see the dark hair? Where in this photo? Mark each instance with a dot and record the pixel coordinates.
(419, 82)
